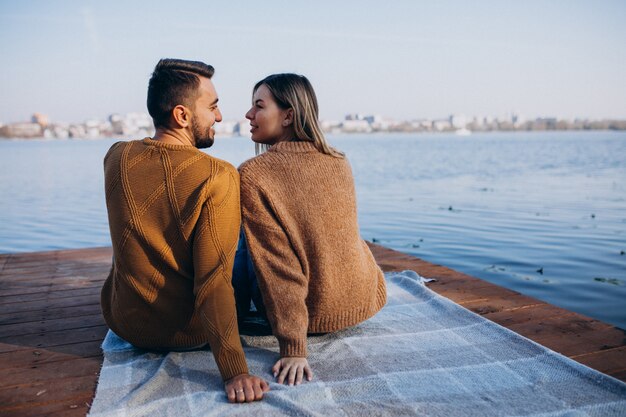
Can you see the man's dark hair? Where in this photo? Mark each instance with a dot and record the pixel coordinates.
(174, 82)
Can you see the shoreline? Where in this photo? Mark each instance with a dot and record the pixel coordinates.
(338, 134)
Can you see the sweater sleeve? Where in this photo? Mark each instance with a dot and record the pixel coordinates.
(214, 248)
(283, 284)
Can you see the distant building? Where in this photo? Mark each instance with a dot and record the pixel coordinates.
(57, 130)
(422, 125)
(242, 128)
(40, 119)
(225, 128)
(131, 125)
(76, 131)
(356, 126)
(441, 125)
(378, 123)
(373, 119)
(330, 126)
(458, 121)
(21, 130)
(545, 123)
(354, 116)
(95, 128)
(117, 124)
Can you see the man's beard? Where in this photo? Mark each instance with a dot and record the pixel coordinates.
(203, 139)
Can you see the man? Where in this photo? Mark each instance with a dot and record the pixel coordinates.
(174, 218)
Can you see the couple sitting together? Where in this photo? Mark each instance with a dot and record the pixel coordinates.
(195, 241)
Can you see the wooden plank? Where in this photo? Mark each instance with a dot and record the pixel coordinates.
(50, 371)
(45, 382)
(73, 407)
(607, 361)
(621, 375)
(17, 287)
(35, 277)
(50, 289)
(52, 293)
(87, 309)
(574, 344)
(41, 277)
(9, 352)
(41, 269)
(46, 326)
(44, 277)
(49, 303)
(459, 283)
(83, 349)
(26, 357)
(17, 264)
(96, 251)
(532, 313)
(560, 325)
(492, 300)
(44, 393)
(51, 339)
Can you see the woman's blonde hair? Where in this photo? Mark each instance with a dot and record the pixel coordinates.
(293, 91)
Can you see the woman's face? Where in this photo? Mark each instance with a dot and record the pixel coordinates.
(269, 123)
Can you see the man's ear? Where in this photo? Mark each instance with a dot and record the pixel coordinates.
(288, 120)
(181, 116)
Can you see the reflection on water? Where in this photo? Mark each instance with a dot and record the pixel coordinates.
(540, 213)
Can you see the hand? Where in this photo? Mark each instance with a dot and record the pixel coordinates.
(245, 388)
(292, 370)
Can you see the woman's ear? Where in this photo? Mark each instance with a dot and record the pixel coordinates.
(181, 116)
(288, 120)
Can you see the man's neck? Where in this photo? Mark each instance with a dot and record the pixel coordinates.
(174, 137)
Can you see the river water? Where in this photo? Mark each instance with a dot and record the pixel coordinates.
(540, 213)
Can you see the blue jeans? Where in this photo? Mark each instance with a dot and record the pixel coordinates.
(245, 282)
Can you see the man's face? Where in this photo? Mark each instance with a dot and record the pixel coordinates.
(205, 115)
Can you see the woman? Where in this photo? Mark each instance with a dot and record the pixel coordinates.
(315, 273)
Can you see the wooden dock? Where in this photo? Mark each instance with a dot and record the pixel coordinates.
(51, 326)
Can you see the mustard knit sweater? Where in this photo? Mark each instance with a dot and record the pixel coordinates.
(315, 273)
(174, 219)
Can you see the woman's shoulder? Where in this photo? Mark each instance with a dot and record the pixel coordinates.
(268, 158)
(249, 165)
(256, 170)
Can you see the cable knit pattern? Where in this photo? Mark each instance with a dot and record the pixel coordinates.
(315, 272)
(174, 218)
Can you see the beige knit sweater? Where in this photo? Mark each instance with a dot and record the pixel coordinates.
(315, 273)
(174, 218)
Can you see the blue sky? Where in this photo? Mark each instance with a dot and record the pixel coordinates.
(75, 60)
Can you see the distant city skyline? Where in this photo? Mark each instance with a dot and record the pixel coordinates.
(79, 60)
(139, 124)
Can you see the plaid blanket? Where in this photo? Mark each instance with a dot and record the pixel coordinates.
(420, 355)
